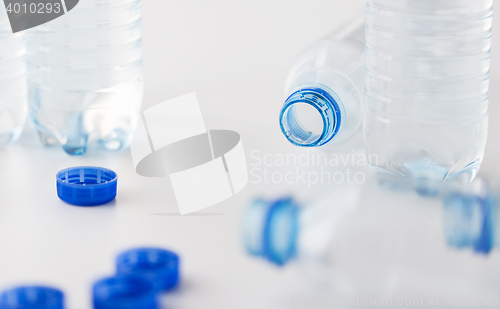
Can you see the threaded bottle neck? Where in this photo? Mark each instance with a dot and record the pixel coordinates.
(326, 102)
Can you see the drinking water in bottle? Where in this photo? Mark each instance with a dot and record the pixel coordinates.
(13, 93)
(324, 91)
(365, 241)
(85, 75)
(427, 79)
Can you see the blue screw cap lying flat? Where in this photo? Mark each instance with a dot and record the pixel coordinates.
(124, 292)
(86, 185)
(32, 297)
(158, 266)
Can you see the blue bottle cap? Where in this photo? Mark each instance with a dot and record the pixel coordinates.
(32, 297)
(124, 292)
(86, 185)
(158, 266)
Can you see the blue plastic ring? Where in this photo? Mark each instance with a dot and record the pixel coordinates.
(268, 247)
(32, 297)
(327, 105)
(158, 266)
(124, 292)
(86, 185)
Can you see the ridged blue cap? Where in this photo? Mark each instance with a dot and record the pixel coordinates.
(32, 297)
(124, 292)
(86, 185)
(158, 266)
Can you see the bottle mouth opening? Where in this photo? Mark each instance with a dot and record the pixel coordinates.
(323, 113)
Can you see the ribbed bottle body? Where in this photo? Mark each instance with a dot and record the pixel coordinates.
(427, 80)
(85, 75)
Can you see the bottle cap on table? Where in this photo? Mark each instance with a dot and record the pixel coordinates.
(124, 292)
(86, 185)
(32, 297)
(158, 266)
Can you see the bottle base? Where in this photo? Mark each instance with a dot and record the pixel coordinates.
(74, 151)
(425, 176)
(45, 139)
(115, 141)
(8, 137)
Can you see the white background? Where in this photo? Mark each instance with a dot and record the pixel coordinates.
(234, 54)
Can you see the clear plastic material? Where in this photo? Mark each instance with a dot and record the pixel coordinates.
(361, 243)
(327, 76)
(13, 93)
(85, 75)
(427, 79)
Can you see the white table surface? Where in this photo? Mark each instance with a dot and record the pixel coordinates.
(235, 56)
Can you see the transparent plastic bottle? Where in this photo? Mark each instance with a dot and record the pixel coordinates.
(427, 80)
(13, 93)
(85, 75)
(362, 243)
(324, 91)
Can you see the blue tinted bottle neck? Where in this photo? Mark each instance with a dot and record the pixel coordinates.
(271, 229)
(470, 221)
(326, 102)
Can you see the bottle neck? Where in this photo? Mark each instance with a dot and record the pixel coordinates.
(326, 102)
(271, 230)
(470, 221)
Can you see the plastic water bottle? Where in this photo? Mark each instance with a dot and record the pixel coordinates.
(324, 91)
(362, 243)
(427, 79)
(13, 93)
(85, 75)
